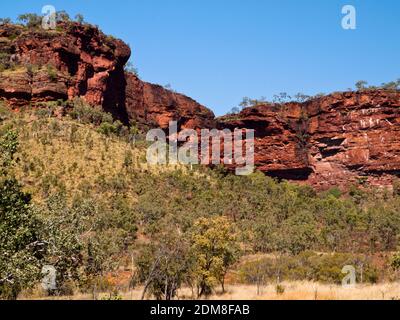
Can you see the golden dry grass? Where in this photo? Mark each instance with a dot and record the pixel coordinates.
(293, 291)
(313, 291)
(72, 154)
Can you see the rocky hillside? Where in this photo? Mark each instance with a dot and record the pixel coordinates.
(78, 60)
(338, 139)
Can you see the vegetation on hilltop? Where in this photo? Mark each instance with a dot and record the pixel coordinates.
(283, 97)
(32, 23)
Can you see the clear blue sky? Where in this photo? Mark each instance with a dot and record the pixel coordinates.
(218, 51)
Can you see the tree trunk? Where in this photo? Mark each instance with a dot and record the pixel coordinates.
(146, 286)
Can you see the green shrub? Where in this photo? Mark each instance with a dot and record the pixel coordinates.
(107, 129)
(85, 113)
(114, 296)
(130, 68)
(4, 111)
(361, 85)
(5, 61)
(334, 192)
(30, 20)
(280, 289)
(44, 112)
(395, 263)
(21, 245)
(4, 21)
(79, 18)
(52, 73)
(62, 16)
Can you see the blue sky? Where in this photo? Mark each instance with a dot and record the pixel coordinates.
(218, 51)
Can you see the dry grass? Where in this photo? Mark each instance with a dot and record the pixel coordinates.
(71, 154)
(293, 291)
(313, 291)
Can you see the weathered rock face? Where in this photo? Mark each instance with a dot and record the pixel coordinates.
(155, 106)
(278, 150)
(339, 139)
(73, 61)
(79, 61)
(353, 136)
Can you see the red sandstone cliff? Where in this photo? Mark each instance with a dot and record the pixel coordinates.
(73, 61)
(340, 139)
(78, 60)
(156, 106)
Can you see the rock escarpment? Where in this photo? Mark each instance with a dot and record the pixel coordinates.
(155, 106)
(340, 139)
(78, 60)
(72, 61)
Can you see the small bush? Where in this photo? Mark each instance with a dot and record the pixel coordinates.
(4, 21)
(5, 61)
(280, 289)
(79, 18)
(95, 115)
(62, 16)
(32, 69)
(107, 129)
(52, 73)
(113, 297)
(87, 114)
(130, 68)
(30, 20)
(44, 113)
(334, 192)
(4, 111)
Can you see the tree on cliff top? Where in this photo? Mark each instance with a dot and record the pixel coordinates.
(129, 67)
(33, 20)
(5, 21)
(79, 18)
(361, 85)
(30, 20)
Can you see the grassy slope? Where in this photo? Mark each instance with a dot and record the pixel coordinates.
(60, 154)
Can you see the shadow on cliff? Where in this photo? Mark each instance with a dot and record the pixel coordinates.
(115, 101)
